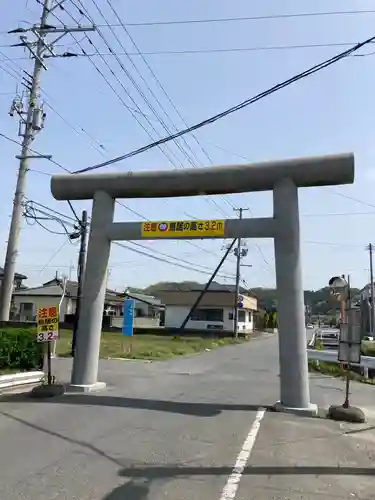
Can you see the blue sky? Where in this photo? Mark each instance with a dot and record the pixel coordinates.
(330, 112)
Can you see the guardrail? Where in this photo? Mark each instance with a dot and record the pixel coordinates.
(331, 357)
(20, 379)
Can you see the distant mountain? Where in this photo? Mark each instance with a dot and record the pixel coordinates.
(320, 301)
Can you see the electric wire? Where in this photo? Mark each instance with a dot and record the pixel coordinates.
(31, 214)
(141, 93)
(52, 257)
(127, 207)
(223, 50)
(265, 48)
(206, 250)
(160, 85)
(355, 200)
(167, 153)
(17, 76)
(139, 90)
(156, 79)
(249, 18)
(233, 109)
(59, 165)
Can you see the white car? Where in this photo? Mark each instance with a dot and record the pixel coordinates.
(310, 326)
(325, 339)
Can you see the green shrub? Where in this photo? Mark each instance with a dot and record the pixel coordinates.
(19, 350)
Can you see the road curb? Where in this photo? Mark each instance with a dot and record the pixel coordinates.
(22, 379)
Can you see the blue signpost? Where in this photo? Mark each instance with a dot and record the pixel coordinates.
(127, 327)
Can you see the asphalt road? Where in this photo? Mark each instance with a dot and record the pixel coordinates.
(187, 429)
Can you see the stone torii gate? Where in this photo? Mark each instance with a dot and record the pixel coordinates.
(282, 177)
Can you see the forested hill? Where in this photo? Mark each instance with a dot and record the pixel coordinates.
(319, 300)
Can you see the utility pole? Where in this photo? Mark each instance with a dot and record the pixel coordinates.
(81, 274)
(372, 312)
(31, 122)
(239, 252)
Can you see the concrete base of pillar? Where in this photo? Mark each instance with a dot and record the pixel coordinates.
(310, 411)
(98, 386)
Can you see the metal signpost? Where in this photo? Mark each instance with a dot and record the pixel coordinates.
(284, 178)
(349, 351)
(48, 331)
(127, 327)
(47, 324)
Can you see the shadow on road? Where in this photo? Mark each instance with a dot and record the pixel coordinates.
(140, 478)
(185, 408)
(158, 472)
(68, 439)
(129, 491)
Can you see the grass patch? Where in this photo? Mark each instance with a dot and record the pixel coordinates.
(151, 347)
(368, 348)
(334, 370)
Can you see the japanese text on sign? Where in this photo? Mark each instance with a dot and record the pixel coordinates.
(47, 323)
(183, 229)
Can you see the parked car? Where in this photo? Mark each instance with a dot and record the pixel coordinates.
(325, 339)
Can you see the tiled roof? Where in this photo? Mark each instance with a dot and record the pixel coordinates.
(53, 288)
(16, 275)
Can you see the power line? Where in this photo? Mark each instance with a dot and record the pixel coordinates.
(156, 79)
(265, 48)
(236, 19)
(233, 109)
(55, 212)
(362, 202)
(343, 214)
(30, 213)
(249, 18)
(37, 153)
(83, 11)
(120, 82)
(161, 259)
(222, 50)
(117, 201)
(332, 244)
(60, 166)
(52, 257)
(19, 76)
(188, 156)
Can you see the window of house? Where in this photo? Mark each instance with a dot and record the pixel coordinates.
(207, 315)
(241, 316)
(139, 313)
(230, 315)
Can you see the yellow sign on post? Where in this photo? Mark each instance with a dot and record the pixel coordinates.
(183, 229)
(47, 323)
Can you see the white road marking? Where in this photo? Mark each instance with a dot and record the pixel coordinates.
(230, 489)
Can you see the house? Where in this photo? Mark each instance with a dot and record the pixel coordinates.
(215, 310)
(18, 278)
(147, 310)
(26, 303)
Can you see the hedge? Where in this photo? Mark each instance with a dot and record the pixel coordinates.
(19, 350)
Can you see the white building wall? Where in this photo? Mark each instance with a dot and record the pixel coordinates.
(175, 315)
(67, 306)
